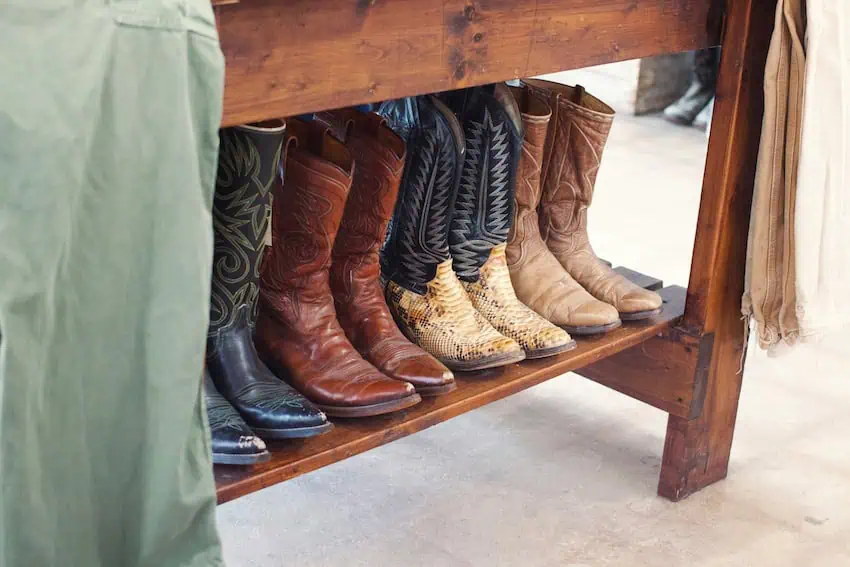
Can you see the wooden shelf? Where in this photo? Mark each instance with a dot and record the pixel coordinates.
(475, 389)
(288, 57)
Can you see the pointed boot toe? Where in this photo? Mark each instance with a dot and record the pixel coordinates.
(429, 376)
(593, 317)
(639, 304)
(233, 442)
(364, 392)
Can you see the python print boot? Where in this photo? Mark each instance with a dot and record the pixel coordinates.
(247, 167)
(573, 154)
(423, 292)
(298, 333)
(355, 270)
(482, 218)
(538, 278)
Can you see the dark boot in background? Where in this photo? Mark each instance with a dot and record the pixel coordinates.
(247, 169)
(423, 292)
(701, 91)
(233, 442)
(484, 210)
(355, 268)
(298, 333)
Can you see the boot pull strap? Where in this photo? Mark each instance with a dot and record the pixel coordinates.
(578, 94)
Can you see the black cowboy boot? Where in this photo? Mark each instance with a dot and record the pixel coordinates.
(701, 90)
(423, 293)
(233, 442)
(483, 213)
(249, 157)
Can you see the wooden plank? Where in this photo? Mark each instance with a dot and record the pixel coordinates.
(350, 437)
(696, 452)
(660, 372)
(287, 58)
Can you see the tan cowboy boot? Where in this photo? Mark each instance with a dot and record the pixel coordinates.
(571, 161)
(538, 278)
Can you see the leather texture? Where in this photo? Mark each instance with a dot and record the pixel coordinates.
(247, 170)
(483, 213)
(538, 278)
(573, 154)
(233, 442)
(355, 272)
(297, 330)
(423, 292)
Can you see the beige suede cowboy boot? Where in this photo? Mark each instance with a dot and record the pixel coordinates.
(571, 161)
(538, 278)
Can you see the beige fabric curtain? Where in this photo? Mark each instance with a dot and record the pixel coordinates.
(798, 261)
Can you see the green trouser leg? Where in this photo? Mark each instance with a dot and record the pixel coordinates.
(108, 141)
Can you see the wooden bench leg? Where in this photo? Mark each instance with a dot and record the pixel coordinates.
(696, 451)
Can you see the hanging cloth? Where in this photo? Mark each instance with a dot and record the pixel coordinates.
(822, 226)
(109, 111)
(770, 289)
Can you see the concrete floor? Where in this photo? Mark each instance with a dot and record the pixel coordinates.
(565, 474)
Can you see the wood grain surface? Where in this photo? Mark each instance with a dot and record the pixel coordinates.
(696, 451)
(475, 389)
(295, 56)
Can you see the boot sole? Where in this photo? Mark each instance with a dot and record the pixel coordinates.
(370, 410)
(293, 433)
(550, 351)
(640, 315)
(429, 391)
(484, 363)
(592, 329)
(228, 459)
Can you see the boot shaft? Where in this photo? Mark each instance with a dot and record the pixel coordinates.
(536, 116)
(484, 206)
(418, 242)
(577, 135)
(379, 156)
(309, 206)
(247, 167)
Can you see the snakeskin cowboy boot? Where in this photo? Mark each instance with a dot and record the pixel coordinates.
(233, 442)
(538, 278)
(482, 217)
(423, 292)
(298, 333)
(355, 269)
(573, 153)
(247, 166)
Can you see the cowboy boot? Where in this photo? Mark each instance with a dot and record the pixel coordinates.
(538, 278)
(701, 90)
(355, 269)
(423, 292)
(571, 161)
(247, 164)
(482, 218)
(233, 442)
(298, 333)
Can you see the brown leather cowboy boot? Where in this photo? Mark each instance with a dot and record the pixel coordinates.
(355, 269)
(571, 161)
(297, 330)
(538, 278)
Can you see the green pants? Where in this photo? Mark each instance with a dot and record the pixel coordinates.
(108, 142)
